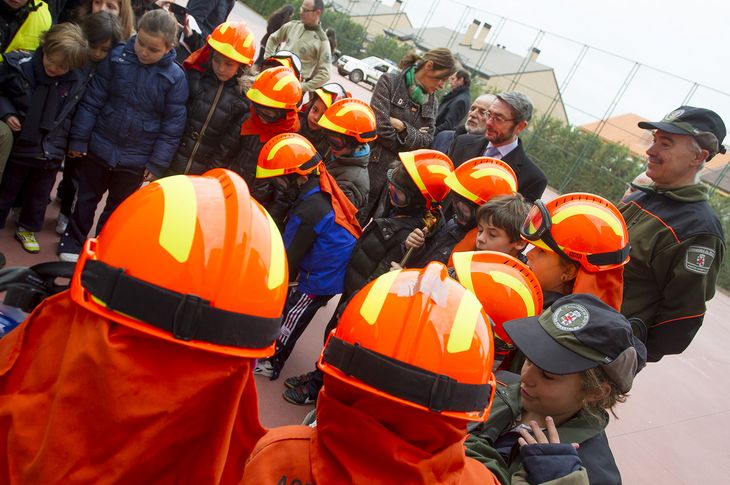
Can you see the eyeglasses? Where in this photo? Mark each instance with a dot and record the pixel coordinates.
(498, 117)
(305, 10)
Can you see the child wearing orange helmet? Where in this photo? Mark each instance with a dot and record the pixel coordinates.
(216, 106)
(319, 101)
(581, 245)
(141, 372)
(415, 189)
(275, 96)
(319, 235)
(397, 398)
(348, 126)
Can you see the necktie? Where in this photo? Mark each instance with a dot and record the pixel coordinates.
(492, 152)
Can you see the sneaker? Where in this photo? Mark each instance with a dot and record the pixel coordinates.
(62, 224)
(301, 395)
(27, 240)
(68, 257)
(266, 369)
(296, 381)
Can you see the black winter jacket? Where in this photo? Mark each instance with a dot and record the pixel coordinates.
(452, 109)
(17, 85)
(440, 244)
(215, 112)
(351, 174)
(379, 244)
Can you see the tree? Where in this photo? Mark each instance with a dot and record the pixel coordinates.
(387, 48)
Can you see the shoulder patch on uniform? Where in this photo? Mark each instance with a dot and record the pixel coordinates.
(699, 259)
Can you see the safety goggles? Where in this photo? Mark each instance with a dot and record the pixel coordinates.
(335, 141)
(537, 227)
(268, 114)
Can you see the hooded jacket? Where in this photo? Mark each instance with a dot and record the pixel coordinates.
(132, 114)
(677, 248)
(490, 444)
(351, 174)
(86, 400)
(363, 438)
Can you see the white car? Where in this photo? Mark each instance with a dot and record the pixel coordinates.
(366, 70)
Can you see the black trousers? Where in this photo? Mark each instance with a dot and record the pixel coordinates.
(94, 179)
(31, 186)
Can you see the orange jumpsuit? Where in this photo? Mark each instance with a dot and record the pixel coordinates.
(364, 438)
(86, 400)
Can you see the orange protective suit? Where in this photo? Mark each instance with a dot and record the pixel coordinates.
(363, 438)
(86, 400)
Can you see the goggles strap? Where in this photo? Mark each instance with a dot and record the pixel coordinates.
(613, 257)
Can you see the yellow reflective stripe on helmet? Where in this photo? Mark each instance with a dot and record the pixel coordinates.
(179, 217)
(516, 285)
(286, 79)
(495, 172)
(257, 96)
(409, 162)
(356, 107)
(293, 140)
(375, 298)
(277, 257)
(603, 214)
(264, 173)
(455, 184)
(462, 266)
(465, 322)
(248, 40)
(440, 169)
(325, 123)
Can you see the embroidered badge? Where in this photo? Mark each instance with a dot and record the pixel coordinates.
(571, 317)
(699, 259)
(674, 115)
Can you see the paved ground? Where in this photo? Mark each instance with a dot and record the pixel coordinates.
(673, 429)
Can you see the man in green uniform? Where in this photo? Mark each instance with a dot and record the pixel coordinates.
(306, 39)
(677, 241)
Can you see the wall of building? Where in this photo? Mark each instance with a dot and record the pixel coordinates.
(541, 87)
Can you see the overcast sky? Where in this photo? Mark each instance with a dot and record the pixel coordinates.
(685, 38)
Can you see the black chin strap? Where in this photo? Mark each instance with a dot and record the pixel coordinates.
(186, 317)
(436, 392)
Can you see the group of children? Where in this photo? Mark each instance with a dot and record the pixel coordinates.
(121, 114)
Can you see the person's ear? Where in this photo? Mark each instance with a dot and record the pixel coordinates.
(570, 271)
(599, 394)
(520, 126)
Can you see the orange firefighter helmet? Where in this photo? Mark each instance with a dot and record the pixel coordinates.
(235, 41)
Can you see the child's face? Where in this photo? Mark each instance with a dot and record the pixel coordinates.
(315, 113)
(149, 48)
(111, 6)
(224, 68)
(544, 394)
(54, 63)
(98, 52)
(493, 238)
(548, 268)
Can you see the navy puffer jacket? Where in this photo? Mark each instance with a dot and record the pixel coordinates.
(132, 114)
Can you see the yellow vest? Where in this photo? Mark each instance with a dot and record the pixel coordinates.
(28, 37)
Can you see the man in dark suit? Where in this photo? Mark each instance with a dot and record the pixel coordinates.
(508, 115)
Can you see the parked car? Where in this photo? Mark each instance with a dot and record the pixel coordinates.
(366, 70)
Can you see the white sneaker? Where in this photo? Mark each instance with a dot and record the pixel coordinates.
(68, 257)
(264, 368)
(61, 225)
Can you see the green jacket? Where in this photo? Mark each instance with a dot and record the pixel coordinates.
(599, 466)
(312, 47)
(677, 247)
(28, 36)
